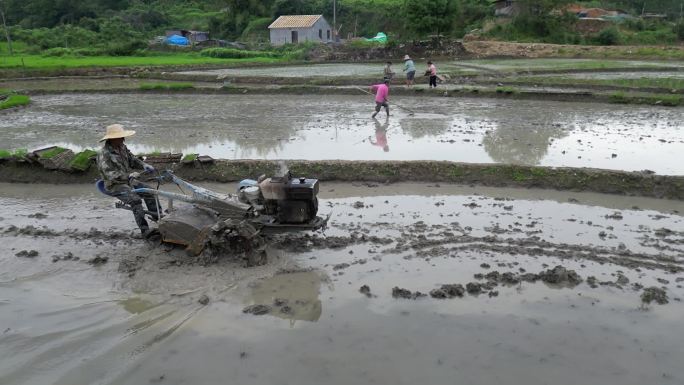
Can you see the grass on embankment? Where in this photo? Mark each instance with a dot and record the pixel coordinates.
(12, 100)
(649, 99)
(564, 65)
(166, 86)
(644, 82)
(16, 154)
(47, 62)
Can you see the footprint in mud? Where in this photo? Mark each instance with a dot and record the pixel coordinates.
(257, 309)
(27, 254)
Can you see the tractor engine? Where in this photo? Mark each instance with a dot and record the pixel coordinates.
(287, 199)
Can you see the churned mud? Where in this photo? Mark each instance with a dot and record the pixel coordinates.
(410, 283)
(326, 127)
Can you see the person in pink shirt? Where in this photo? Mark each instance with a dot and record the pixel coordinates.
(432, 72)
(380, 135)
(381, 96)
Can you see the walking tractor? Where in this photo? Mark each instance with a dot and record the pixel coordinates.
(231, 223)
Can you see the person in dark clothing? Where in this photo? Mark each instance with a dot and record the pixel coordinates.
(117, 166)
(432, 73)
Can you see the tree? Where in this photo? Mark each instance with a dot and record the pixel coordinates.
(429, 16)
(4, 25)
(541, 7)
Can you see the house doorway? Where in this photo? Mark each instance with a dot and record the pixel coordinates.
(295, 37)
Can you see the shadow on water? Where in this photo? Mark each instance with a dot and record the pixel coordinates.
(294, 296)
(526, 145)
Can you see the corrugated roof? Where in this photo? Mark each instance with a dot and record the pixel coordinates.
(295, 21)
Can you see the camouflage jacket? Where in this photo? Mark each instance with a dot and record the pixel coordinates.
(115, 166)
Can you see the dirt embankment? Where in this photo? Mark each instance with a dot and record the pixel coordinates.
(417, 49)
(575, 179)
(494, 49)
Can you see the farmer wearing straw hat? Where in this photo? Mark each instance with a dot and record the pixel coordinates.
(410, 69)
(117, 166)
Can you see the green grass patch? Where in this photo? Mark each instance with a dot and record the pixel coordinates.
(619, 97)
(166, 86)
(83, 159)
(52, 153)
(652, 99)
(18, 153)
(558, 64)
(15, 101)
(189, 158)
(644, 82)
(232, 53)
(41, 62)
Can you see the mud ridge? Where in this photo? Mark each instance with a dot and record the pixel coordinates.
(496, 175)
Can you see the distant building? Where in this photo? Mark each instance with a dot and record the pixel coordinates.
(300, 28)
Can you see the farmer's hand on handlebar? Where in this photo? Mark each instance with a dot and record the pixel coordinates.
(133, 175)
(148, 168)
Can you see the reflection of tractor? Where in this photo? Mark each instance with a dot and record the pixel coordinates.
(226, 223)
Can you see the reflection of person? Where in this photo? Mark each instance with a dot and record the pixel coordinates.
(381, 96)
(410, 69)
(380, 135)
(387, 72)
(117, 166)
(432, 73)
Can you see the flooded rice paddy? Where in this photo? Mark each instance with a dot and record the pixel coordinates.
(598, 75)
(133, 317)
(445, 66)
(314, 70)
(339, 127)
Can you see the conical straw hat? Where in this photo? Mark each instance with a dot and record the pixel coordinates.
(117, 131)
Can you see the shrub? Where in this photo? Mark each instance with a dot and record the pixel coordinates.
(127, 48)
(257, 29)
(679, 30)
(87, 52)
(232, 53)
(57, 52)
(609, 36)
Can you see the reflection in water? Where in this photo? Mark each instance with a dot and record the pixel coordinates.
(515, 144)
(420, 127)
(294, 294)
(306, 127)
(380, 135)
(136, 305)
(522, 136)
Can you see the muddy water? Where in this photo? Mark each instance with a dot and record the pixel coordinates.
(567, 64)
(69, 322)
(675, 76)
(312, 70)
(445, 66)
(339, 127)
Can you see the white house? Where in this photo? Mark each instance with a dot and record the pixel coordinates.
(300, 28)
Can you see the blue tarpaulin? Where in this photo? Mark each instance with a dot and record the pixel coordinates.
(177, 40)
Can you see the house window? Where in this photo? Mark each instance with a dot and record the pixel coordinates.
(328, 34)
(320, 34)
